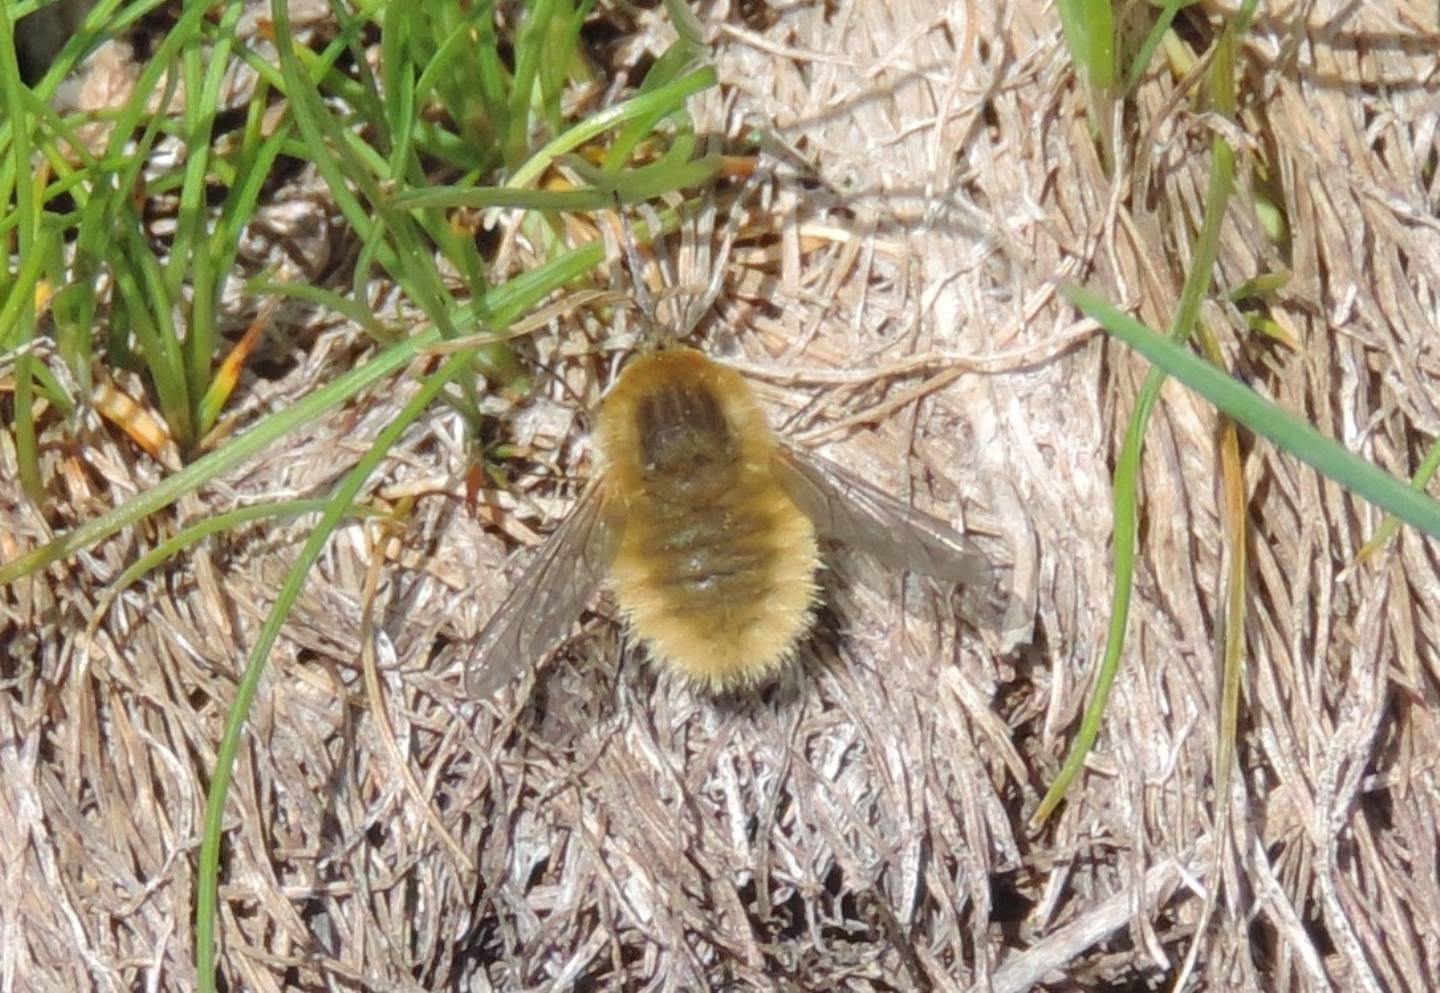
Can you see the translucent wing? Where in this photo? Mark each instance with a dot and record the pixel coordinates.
(549, 596)
(845, 508)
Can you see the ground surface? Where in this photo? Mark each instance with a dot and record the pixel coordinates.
(859, 826)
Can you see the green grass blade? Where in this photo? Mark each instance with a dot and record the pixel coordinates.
(20, 294)
(238, 450)
(1152, 41)
(1264, 417)
(1391, 524)
(389, 234)
(1125, 499)
(224, 244)
(192, 256)
(529, 46)
(18, 326)
(152, 312)
(661, 99)
(202, 529)
(208, 870)
(1089, 27)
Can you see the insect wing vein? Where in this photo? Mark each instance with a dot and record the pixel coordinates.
(549, 595)
(846, 508)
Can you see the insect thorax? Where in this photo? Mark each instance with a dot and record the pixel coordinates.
(682, 430)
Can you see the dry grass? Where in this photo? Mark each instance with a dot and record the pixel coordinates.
(860, 825)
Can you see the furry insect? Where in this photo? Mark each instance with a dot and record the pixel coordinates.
(706, 528)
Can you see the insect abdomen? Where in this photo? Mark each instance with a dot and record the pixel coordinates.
(716, 569)
(712, 559)
(722, 593)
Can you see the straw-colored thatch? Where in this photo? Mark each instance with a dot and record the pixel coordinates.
(860, 825)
